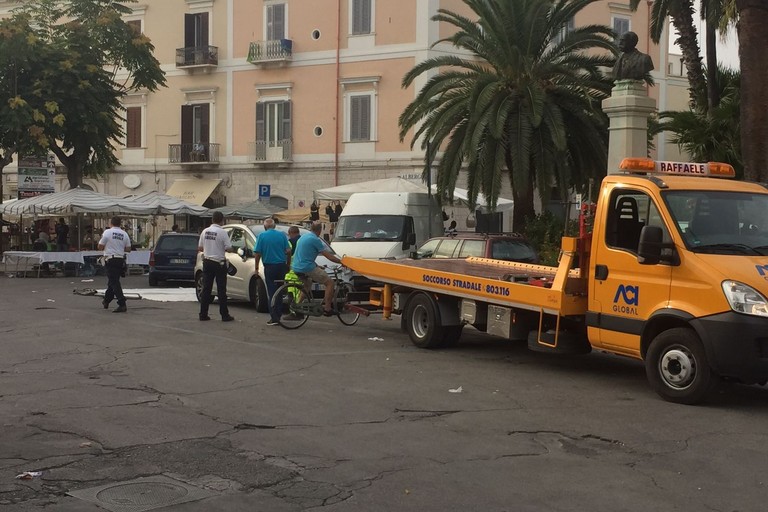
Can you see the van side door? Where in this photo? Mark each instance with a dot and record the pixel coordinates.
(624, 293)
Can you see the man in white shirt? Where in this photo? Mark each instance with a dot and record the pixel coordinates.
(214, 244)
(115, 243)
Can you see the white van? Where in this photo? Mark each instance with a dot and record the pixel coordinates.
(386, 225)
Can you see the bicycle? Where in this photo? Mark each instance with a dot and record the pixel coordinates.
(298, 303)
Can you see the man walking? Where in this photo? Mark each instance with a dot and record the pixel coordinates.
(62, 232)
(115, 244)
(307, 249)
(273, 247)
(214, 243)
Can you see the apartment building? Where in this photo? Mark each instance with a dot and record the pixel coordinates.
(282, 97)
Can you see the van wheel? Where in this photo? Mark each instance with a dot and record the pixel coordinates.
(677, 367)
(258, 294)
(423, 322)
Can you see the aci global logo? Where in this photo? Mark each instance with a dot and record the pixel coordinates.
(629, 297)
(763, 271)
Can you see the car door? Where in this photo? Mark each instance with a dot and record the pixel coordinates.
(236, 284)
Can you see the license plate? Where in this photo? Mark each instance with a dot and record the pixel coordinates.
(179, 261)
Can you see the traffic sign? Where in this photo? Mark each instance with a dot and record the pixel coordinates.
(264, 191)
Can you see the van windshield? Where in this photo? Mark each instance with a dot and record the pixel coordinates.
(719, 222)
(364, 228)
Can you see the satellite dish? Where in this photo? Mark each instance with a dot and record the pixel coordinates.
(132, 181)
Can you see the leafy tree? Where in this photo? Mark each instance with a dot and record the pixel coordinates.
(753, 40)
(526, 101)
(100, 58)
(714, 135)
(681, 12)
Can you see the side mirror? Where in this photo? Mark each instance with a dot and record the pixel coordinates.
(410, 240)
(649, 248)
(413, 255)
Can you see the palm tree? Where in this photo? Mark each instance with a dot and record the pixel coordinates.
(753, 40)
(526, 98)
(713, 135)
(681, 12)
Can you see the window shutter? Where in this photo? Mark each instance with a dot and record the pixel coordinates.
(205, 123)
(286, 120)
(203, 29)
(133, 127)
(361, 16)
(360, 118)
(186, 124)
(275, 22)
(261, 134)
(189, 30)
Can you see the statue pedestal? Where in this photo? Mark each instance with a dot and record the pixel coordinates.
(628, 109)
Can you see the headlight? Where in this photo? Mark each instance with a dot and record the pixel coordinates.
(745, 299)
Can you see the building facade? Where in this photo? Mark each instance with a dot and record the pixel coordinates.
(284, 97)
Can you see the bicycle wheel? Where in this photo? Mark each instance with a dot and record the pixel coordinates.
(288, 299)
(340, 301)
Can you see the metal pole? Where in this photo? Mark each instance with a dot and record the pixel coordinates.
(428, 168)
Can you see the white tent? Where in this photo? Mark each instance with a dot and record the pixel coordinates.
(342, 192)
(163, 204)
(76, 200)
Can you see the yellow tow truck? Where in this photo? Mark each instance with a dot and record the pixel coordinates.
(670, 267)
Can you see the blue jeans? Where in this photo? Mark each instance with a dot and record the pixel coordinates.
(274, 272)
(218, 271)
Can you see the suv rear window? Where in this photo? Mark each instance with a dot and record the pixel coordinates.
(177, 243)
(512, 250)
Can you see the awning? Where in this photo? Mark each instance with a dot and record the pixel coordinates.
(192, 191)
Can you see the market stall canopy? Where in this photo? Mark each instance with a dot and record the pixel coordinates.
(194, 191)
(75, 200)
(297, 216)
(256, 210)
(342, 192)
(163, 204)
(461, 195)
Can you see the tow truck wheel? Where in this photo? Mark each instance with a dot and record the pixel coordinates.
(423, 322)
(677, 367)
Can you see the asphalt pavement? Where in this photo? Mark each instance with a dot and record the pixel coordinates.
(341, 419)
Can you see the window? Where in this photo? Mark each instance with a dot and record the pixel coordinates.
(360, 118)
(446, 249)
(135, 25)
(564, 30)
(275, 18)
(620, 26)
(195, 129)
(273, 129)
(362, 11)
(133, 127)
(426, 250)
(472, 248)
(631, 210)
(237, 238)
(196, 30)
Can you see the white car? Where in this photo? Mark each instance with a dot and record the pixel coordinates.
(246, 284)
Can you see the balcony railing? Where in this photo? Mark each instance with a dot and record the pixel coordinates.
(273, 151)
(197, 56)
(278, 50)
(200, 153)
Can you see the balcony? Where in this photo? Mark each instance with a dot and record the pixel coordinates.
(194, 154)
(197, 57)
(264, 52)
(272, 151)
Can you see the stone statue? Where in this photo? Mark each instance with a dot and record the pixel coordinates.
(631, 64)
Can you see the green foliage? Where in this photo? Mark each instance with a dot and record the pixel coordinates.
(526, 101)
(714, 136)
(90, 58)
(545, 231)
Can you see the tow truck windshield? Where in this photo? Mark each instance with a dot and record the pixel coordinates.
(717, 222)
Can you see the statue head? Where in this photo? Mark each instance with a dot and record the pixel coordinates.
(628, 41)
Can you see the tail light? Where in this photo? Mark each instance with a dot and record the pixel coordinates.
(152, 259)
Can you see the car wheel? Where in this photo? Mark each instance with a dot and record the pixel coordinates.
(677, 367)
(199, 288)
(153, 280)
(258, 294)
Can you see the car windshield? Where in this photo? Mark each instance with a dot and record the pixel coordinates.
(363, 228)
(177, 243)
(720, 222)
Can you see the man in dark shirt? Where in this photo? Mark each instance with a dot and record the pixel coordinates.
(62, 233)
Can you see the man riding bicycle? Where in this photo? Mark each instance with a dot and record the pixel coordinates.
(303, 263)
